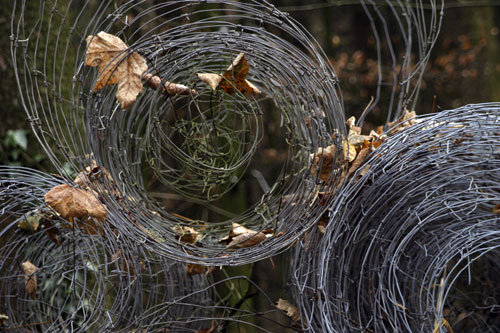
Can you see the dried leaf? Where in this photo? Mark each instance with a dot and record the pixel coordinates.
(232, 79)
(360, 159)
(323, 160)
(168, 88)
(116, 66)
(352, 152)
(71, 202)
(30, 278)
(291, 310)
(188, 234)
(31, 221)
(123, 263)
(51, 231)
(240, 237)
(194, 269)
(406, 120)
(496, 209)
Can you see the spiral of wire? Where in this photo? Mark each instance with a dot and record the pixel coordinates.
(413, 244)
(85, 282)
(164, 152)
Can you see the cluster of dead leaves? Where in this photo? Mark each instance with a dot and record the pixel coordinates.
(117, 65)
(355, 148)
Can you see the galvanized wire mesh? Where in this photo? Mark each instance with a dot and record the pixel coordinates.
(166, 150)
(412, 245)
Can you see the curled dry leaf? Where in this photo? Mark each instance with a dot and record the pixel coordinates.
(291, 310)
(116, 66)
(168, 88)
(360, 159)
(30, 278)
(496, 209)
(187, 234)
(240, 237)
(72, 202)
(232, 79)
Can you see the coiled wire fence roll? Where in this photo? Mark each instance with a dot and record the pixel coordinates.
(83, 281)
(165, 151)
(413, 244)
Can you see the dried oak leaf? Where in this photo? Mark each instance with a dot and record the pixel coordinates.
(232, 79)
(291, 310)
(187, 234)
(116, 66)
(30, 278)
(240, 237)
(168, 88)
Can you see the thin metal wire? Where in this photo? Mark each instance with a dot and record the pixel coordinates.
(194, 148)
(413, 244)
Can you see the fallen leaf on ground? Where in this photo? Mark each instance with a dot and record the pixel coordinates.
(30, 278)
(72, 202)
(116, 66)
(232, 79)
(168, 88)
(291, 310)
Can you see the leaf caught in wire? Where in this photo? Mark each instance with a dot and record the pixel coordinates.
(30, 282)
(168, 88)
(72, 203)
(240, 237)
(116, 66)
(232, 79)
(291, 310)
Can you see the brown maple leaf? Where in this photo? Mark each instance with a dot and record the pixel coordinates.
(232, 79)
(30, 278)
(116, 66)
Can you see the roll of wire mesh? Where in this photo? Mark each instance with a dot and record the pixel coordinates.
(412, 245)
(56, 277)
(176, 161)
